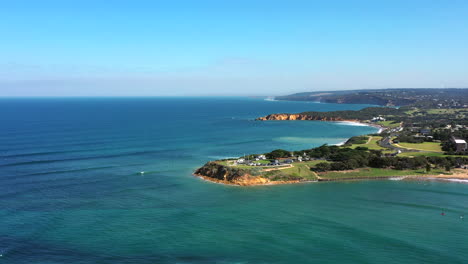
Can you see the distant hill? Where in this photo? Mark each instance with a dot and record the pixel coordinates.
(386, 97)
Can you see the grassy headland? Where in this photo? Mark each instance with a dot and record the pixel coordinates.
(418, 140)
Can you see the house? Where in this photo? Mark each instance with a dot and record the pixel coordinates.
(299, 158)
(261, 157)
(240, 161)
(377, 119)
(460, 144)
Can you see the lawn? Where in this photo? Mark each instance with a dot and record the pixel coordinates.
(388, 124)
(311, 163)
(299, 170)
(443, 111)
(428, 154)
(376, 173)
(411, 112)
(372, 144)
(425, 146)
(225, 162)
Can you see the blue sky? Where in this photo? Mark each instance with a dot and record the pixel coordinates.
(255, 47)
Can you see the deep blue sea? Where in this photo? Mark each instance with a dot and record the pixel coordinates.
(71, 189)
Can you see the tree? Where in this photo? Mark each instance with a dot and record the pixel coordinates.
(428, 167)
(322, 166)
(447, 167)
(338, 166)
(278, 153)
(351, 164)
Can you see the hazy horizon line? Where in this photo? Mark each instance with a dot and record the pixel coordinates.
(218, 95)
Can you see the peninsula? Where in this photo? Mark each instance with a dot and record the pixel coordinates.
(424, 138)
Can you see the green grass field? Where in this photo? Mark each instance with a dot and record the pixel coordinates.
(428, 154)
(376, 173)
(388, 124)
(444, 111)
(411, 112)
(426, 146)
(302, 171)
(224, 162)
(372, 144)
(311, 162)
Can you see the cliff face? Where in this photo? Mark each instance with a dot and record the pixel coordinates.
(220, 172)
(215, 172)
(298, 117)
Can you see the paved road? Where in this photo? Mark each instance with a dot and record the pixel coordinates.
(386, 143)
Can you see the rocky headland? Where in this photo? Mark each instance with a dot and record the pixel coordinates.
(302, 117)
(215, 172)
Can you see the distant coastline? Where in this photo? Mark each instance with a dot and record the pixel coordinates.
(249, 180)
(417, 140)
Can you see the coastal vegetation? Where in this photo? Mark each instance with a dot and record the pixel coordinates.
(375, 173)
(425, 136)
(384, 97)
(329, 163)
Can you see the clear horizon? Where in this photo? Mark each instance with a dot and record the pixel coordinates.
(88, 48)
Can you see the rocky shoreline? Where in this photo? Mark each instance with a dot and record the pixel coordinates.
(249, 180)
(300, 117)
(224, 174)
(305, 117)
(218, 173)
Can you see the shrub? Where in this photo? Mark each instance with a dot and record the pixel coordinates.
(322, 166)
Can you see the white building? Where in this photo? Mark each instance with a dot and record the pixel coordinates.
(460, 144)
(377, 119)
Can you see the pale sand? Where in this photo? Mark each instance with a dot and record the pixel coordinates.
(457, 174)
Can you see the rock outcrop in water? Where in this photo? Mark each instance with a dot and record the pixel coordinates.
(299, 117)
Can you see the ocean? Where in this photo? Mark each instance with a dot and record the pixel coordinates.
(71, 190)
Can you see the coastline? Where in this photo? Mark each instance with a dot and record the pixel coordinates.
(361, 123)
(358, 123)
(459, 177)
(261, 182)
(255, 181)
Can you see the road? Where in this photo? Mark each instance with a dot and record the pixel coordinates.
(386, 142)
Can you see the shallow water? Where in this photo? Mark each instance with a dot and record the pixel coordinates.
(71, 189)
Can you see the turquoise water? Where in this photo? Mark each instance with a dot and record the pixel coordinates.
(71, 191)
